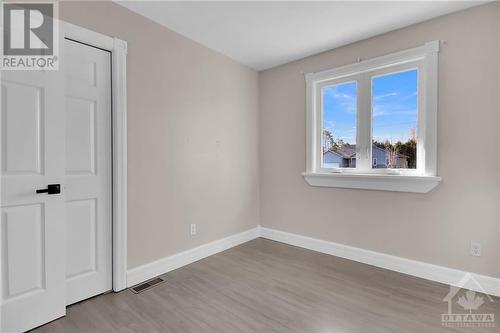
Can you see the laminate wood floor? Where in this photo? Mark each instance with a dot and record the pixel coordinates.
(266, 286)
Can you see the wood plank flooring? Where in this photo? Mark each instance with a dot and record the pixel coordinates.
(266, 286)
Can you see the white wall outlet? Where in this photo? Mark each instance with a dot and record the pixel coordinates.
(475, 249)
(192, 229)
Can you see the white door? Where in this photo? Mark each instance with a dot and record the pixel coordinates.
(55, 249)
(88, 171)
(32, 233)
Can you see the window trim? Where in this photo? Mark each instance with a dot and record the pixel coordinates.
(425, 59)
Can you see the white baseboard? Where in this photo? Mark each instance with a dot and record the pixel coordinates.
(450, 276)
(148, 271)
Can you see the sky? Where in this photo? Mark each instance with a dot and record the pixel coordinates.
(394, 108)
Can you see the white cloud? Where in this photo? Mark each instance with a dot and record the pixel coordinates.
(387, 95)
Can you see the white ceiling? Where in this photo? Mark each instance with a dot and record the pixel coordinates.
(262, 35)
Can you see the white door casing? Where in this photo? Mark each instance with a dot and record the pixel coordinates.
(88, 171)
(32, 225)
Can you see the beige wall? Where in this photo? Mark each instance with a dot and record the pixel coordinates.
(193, 145)
(192, 126)
(435, 227)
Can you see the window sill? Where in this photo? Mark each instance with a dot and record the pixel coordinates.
(381, 182)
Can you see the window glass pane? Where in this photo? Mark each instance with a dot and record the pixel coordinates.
(394, 114)
(339, 126)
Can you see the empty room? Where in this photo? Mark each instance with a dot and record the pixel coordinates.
(250, 166)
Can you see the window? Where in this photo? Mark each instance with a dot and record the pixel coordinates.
(394, 119)
(339, 125)
(372, 124)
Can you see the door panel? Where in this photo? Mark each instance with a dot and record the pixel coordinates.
(81, 234)
(23, 248)
(80, 136)
(23, 112)
(88, 171)
(32, 225)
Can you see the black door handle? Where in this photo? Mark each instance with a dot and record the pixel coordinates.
(51, 189)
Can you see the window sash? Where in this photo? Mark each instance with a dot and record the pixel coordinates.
(327, 84)
(364, 111)
(416, 65)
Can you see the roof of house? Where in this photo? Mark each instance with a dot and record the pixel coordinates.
(345, 151)
(377, 147)
(349, 151)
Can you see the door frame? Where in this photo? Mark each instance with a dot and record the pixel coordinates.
(118, 50)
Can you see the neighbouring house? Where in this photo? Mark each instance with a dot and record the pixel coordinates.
(345, 157)
(379, 157)
(383, 158)
(341, 157)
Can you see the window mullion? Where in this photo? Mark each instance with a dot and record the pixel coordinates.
(364, 131)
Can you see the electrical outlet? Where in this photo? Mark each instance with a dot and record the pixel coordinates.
(475, 249)
(192, 229)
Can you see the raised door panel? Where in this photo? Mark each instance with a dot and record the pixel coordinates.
(80, 136)
(23, 228)
(81, 238)
(81, 69)
(22, 117)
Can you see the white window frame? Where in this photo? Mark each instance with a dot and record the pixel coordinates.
(422, 179)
